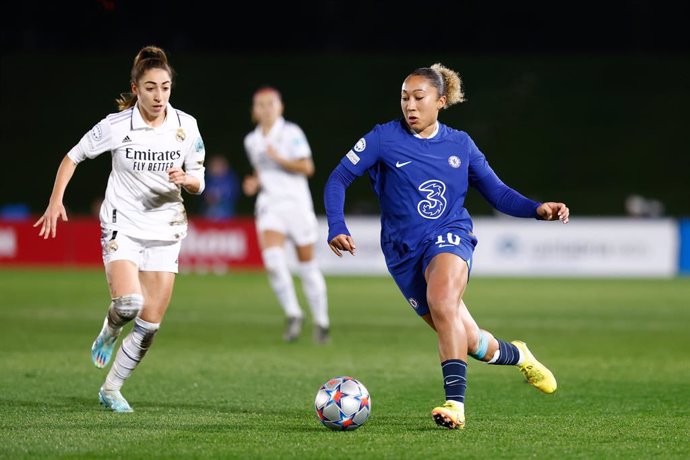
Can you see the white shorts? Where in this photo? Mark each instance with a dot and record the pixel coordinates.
(148, 255)
(299, 225)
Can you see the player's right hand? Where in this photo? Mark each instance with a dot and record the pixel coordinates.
(48, 220)
(342, 242)
(250, 185)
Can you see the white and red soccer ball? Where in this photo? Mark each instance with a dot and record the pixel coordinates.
(343, 404)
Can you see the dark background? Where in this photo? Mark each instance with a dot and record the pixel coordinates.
(580, 102)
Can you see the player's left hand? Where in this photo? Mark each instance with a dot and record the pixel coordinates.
(273, 154)
(177, 176)
(554, 211)
(341, 243)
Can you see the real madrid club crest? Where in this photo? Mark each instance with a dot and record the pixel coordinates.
(180, 135)
(112, 246)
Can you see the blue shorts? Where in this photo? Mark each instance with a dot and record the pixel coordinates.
(410, 276)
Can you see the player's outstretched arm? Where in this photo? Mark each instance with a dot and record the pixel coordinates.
(55, 209)
(554, 211)
(341, 243)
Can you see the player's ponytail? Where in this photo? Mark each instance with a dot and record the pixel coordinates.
(446, 81)
(149, 57)
(452, 83)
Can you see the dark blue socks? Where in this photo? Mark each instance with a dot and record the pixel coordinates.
(508, 354)
(455, 379)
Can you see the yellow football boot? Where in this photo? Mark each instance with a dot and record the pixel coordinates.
(450, 415)
(535, 372)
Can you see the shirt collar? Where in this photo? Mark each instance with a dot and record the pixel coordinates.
(171, 118)
(276, 128)
(432, 134)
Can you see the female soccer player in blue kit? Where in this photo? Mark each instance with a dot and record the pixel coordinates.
(421, 170)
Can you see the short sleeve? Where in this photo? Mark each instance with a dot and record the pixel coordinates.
(194, 161)
(93, 143)
(299, 146)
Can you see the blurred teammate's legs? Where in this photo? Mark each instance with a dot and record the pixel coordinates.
(280, 279)
(303, 231)
(314, 287)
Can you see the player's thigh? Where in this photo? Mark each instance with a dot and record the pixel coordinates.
(123, 279)
(270, 238)
(121, 258)
(157, 277)
(305, 253)
(446, 276)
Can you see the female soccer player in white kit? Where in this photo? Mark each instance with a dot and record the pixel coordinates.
(281, 157)
(156, 152)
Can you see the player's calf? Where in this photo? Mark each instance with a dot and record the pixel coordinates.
(122, 310)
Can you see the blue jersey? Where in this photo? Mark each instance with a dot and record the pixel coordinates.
(421, 183)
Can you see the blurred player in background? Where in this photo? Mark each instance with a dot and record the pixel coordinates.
(421, 170)
(157, 152)
(222, 189)
(281, 159)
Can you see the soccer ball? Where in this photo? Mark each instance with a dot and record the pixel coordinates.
(343, 404)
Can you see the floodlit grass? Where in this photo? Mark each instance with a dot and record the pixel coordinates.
(220, 383)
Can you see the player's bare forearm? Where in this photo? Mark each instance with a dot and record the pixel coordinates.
(56, 210)
(300, 166)
(303, 166)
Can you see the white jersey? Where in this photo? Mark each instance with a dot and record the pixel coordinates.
(279, 188)
(139, 199)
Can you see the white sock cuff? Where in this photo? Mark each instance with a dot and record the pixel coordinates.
(274, 257)
(308, 266)
(495, 357)
(146, 325)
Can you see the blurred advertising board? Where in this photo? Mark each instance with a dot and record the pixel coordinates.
(526, 247)
(209, 245)
(507, 246)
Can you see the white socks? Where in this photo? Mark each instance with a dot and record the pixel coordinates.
(131, 352)
(314, 286)
(281, 281)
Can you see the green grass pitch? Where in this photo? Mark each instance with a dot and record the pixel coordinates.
(220, 383)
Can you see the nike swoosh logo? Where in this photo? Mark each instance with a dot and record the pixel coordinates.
(451, 382)
(400, 165)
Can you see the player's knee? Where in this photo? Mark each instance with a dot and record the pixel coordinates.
(274, 259)
(478, 351)
(443, 307)
(311, 274)
(128, 306)
(308, 267)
